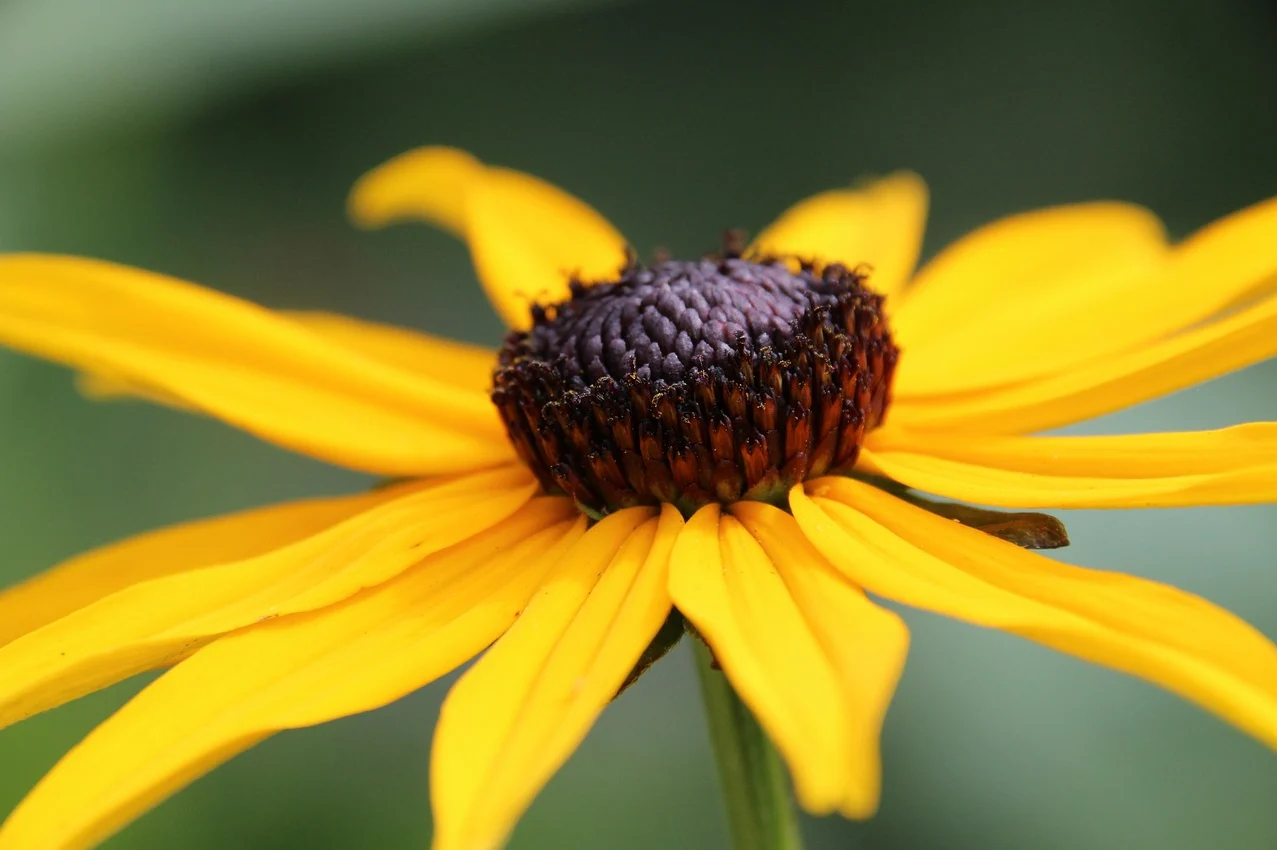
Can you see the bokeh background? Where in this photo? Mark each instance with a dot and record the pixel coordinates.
(216, 141)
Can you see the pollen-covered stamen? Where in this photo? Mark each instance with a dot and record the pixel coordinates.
(692, 382)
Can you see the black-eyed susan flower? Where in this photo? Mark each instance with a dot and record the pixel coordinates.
(736, 439)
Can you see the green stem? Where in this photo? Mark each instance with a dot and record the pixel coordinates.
(760, 810)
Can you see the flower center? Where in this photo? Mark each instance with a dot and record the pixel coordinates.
(694, 382)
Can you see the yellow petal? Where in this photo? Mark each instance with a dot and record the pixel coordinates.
(1090, 313)
(1015, 488)
(778, 659)
(528, 239)
(1156, 455)
(1019, 257)
(1241, 339)
(457, 364)
(154, 622)
(879, 225)
(1152, 631)
(518, 714)
(244, 364)
(87, 578)
(108, 386)
(723, 583)
(864, 643)
(1227, 262)
(427, 183)
(1049, 324)
(296, 671)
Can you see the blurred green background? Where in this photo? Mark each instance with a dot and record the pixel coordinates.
(216, 141)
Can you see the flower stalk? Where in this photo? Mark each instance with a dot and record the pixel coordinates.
(760, 808)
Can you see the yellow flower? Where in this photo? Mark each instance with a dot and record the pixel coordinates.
(301, 613)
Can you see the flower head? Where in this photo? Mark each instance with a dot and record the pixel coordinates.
(693, 383)
(735, 440)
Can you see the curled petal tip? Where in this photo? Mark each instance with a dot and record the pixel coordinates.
(428, 184)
